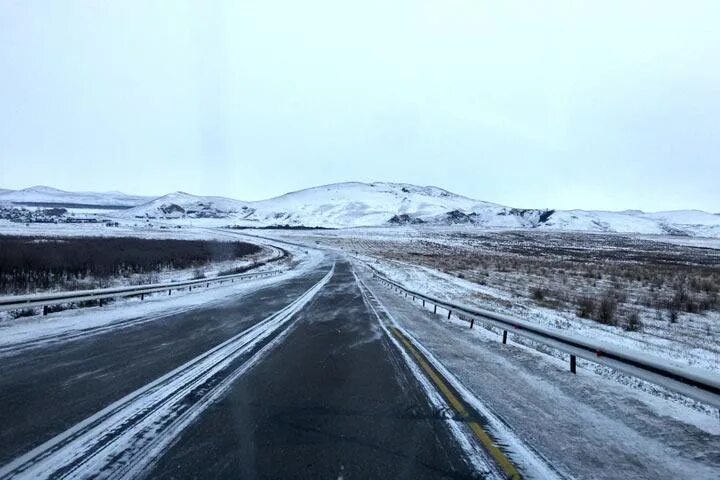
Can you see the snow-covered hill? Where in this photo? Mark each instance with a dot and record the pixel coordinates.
(356, 204)
(360, 204)
(181, 205)
(681, 222)
(52, 196)
(341, 205)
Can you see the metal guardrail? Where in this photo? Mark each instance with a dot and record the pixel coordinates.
(694, 383)
(45, 300)
(26, 301)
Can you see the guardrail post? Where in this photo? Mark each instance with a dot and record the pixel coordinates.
(449, 313)
(45, 310)
(435, 309)
(208, 285)
(573, 364)
(142, 296)
(472, 322)
(423, 302)
(504, 336)
(169, 291)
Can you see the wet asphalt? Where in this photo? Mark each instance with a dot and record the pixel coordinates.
(333, 400)
(46, 390)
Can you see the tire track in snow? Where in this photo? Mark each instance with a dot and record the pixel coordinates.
(122, 440)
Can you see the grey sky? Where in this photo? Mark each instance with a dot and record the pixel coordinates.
(605, 105)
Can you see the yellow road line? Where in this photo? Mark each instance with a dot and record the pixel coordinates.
(502, 460)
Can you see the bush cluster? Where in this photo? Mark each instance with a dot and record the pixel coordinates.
(34, 263)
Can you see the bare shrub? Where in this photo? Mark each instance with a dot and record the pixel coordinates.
(606, 309)
(93, 303)
(586, 307)
(58, 308)
(538, 293)
(632, 322)
(22, 312)
(38, 263)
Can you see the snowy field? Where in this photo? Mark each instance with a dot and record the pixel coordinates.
(661, 293)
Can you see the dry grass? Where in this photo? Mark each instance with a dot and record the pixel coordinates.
(607, 278)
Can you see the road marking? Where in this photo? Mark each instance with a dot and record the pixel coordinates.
(502, 461)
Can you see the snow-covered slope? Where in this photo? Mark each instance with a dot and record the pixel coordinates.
(48, 195)
(181, 205)
(693, 217)
(359, 204)
(356, 204)
(680, 222)
(337, 205)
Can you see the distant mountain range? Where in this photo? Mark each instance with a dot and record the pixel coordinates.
(40, 195)
(355, 204)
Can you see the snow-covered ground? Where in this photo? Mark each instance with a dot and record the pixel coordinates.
(585, 425)
(99, 230)
(703, 354)
(702, 242)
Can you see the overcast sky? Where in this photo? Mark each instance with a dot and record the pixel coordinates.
(604, 105)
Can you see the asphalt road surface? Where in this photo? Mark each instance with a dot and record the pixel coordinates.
(295, 380)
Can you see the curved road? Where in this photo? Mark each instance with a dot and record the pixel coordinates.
(294, 380)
